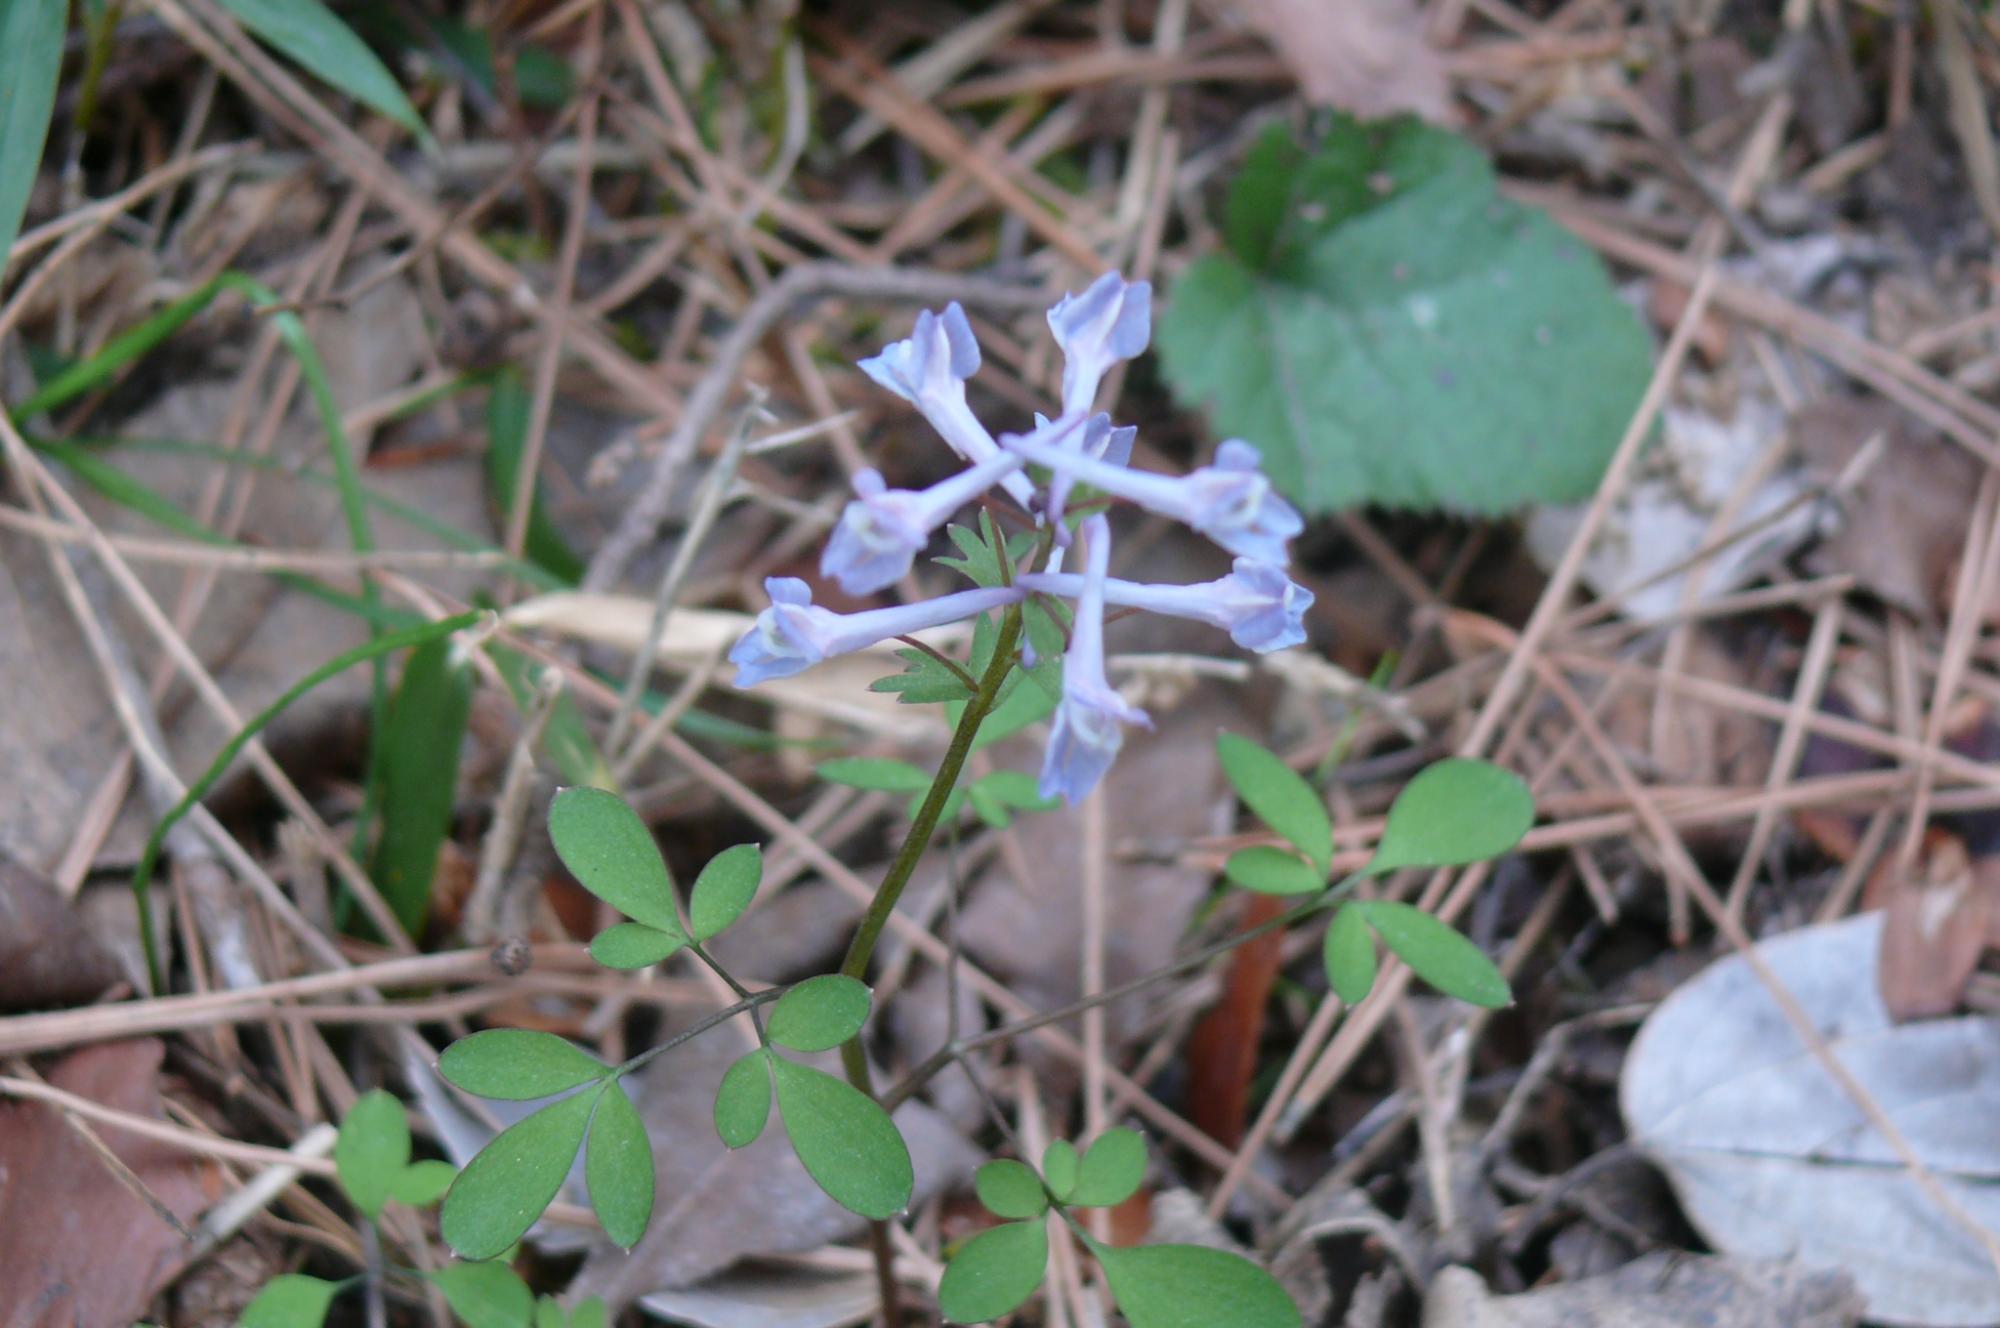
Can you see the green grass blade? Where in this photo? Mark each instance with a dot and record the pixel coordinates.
(31, 51)
(308, 32)
(420, 749)
(506, 439)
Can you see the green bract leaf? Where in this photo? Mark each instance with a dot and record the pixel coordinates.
(877, 774)
(1272, 871)
(374, 1144)
(420, 745)
(1349, 953)
(1111, 1170)
(1436, 953)
(724, 889)
(848, 1144)
(1192, 1286)
(1400, 333)
(290, 1300)
(612, 854)
(517, 1064)
(618, 1168)
(923, 681)
(486, 1295)
(505, 1188)
(820, 1013)
(422, 1184)
(307, 31)
(1010, 1189)
(994, 1272)
(1454, 812)
(1287, 803)
(1060, 1165)
(634, 945)
(31, 56)
(743, 1100)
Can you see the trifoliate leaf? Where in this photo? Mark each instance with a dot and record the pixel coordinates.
(422, 1184)
(848, 1144)
(290, 1300)
(820, 1013)
(1349, 953)
(618, 1168)
(1111, 1170)
(743, 1099)
(612, 854)
(1010, 1189)
(1060, 1165)
(1286, 803)
(1272, 871)
(994, 1272)
(1436, 953)
(486, 1295)
(1193, 1286)
(1454, 812)
(1399, 333)
(504, 1189)
(517, 1064)
(724, 889)
(374, 1144)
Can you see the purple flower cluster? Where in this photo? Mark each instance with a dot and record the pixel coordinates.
(881, 532)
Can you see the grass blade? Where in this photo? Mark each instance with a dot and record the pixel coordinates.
(308, 33)
(31, 51)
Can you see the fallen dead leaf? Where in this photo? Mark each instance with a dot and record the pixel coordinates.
(48, 955)
(1665, 1290)
(1933, 928)
(82, 1250)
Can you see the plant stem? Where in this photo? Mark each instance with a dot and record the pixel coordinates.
(853, 1058)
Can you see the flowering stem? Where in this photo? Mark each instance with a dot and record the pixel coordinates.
(853, 1059)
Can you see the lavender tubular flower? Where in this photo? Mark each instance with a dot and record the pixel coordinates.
(928, 369)
(1099, 441)
(1111, 321)
(1090, 719)
(794, 634)
(1231, 502)
(883, 529)
(1260, 607)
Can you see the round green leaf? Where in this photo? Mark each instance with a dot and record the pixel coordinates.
(1437, 953)
(549, 1313)
(1454, 812)
(724, 888)
(1349, 952)
(877, 774)
(820, 1013)
(1111, 1170)
(517, 1064)
(1192, 1286)
(1286, 803)
(1010, 1189)
(847, 1142)
(290, 1300)
(1059, 1168)
(422, 1184)
(505, 1188)
(486, 1295)
(994, 1272)
(618, 1168)
(1272, 871)
(374, 1144)
(634, 945)
(612, 854)
(589, 1313)
(743, 1100)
